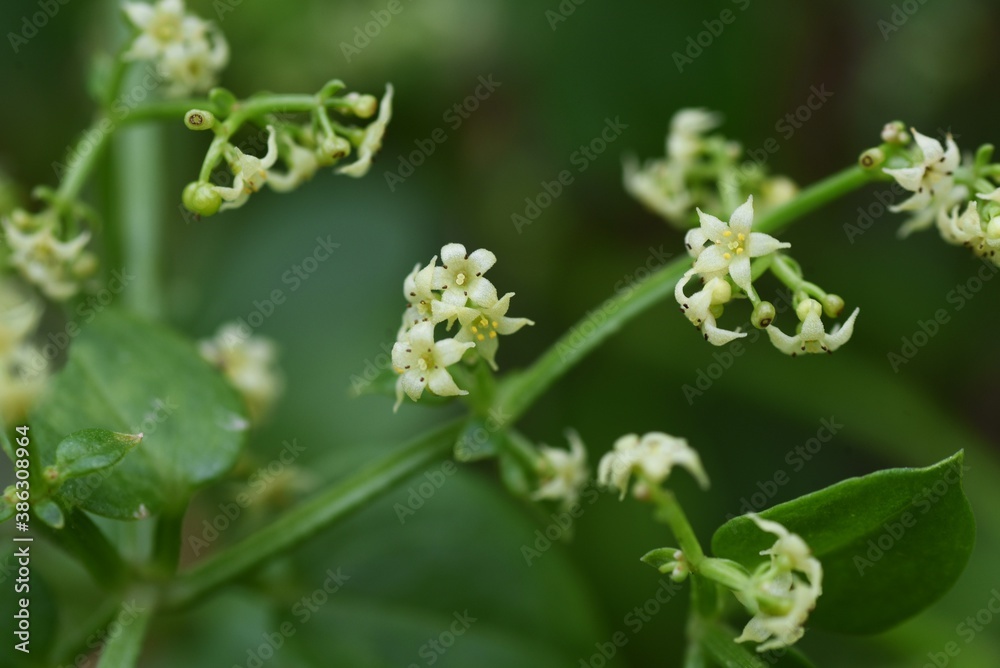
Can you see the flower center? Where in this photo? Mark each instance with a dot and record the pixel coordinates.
(485, 328)
(166, 29)
(734, 244)
(460, 279)
(422, 363)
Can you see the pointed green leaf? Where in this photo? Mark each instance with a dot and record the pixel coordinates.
(891, 543)
(128, 376)
(92, 450)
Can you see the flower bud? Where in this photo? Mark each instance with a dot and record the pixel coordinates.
(895, 133)
(763, 315)
(362, 106)
(85, 265)
(199, 119)
(872, 158)
(833, 305)
(808, 307)
(201, 198)
(332, 148)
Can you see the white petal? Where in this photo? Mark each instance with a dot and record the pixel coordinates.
(931, 148)
(790, 345)
(449, 351)
(421, 336)
(718, 336)
(908, 177)
(742, 219)
(739, 269)
(482, 292)
(762, 244)
(711, 260)
(916, 202)
(951, 156)
(712, 227)
(839, 336)
(442, 384)
(481, 260)
(452, 253)
(695, 240)
(139, 13)
(412, 384)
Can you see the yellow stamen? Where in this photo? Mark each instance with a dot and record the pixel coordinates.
(493, 335)
(739, 250)
(727, 233)
(727, 256)
(480, 337)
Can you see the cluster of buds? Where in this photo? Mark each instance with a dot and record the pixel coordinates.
(960, 197)
(702, 170)
(249, 363)
(19, 315)
(48, 250)
(187, 51)
(303, 147)
(728, 257)
(456, 291)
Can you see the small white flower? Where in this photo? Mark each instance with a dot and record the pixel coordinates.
(161, 25)
(302, 166)
(249, 363)
(193, 66)
(565, 472)
(53, 265)
(698, 308)
(460, 276)
(249, 172)
(422, 363)
(686, 130)
(653, 457)
(371, 141)
(931, 181)
(812, 336)
(660, 186)
(780, 582)
(418, 289)
(19, 315)
(482, 325)
(733, 245)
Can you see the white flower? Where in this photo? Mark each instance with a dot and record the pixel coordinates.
(249, 172)
(161, 25)
(931, 181)
(54, 266)
(19, 315)
(422, 363)
(193, 66)
(812, 336)
(460, 276)
(733, 245)
(371, 141)
(565, 472)
(779, 598)
(652, 457)
(660, 186)
(698, 308)
(418, 289)
(686, 130)
(302, 165)
(249, 363)
(482, 325)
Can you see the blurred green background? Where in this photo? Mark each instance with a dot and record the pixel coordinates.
(559, 82)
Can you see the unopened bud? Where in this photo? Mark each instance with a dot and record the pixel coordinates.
(199, 119)
(833, 305)
(201, 198)
(872, 158)
(331, 149)
(763, 315)
(362, 106)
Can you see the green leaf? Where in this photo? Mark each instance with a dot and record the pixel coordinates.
(477, 441)
(891, 543)
(125, 375)
(49, 512)
(92, 450)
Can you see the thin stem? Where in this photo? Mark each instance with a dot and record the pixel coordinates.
(87, 150)
(167, 541)
(123, 648)
(786, 273)
(84, 540)
(671, 512)
(313, 516)
(519, 392)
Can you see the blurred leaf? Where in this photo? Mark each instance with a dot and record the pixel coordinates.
(891, 543)
(477, 441)
(91, 450)
(130, 377)
(49, 512)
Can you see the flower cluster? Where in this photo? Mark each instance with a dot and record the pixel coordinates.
(959, 198)
(303, 149)
(456, 291)
(46, 254)
(188, 52)
(701, 171)
(651, 458)
(249, 363)
(723, 254)
(777, 594)
(19, 315)
(563, 472)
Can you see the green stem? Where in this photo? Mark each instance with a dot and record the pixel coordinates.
(518, 393)
(671, 512)
(783, 270)
(123, 648)
(167, 541)
(311, 517)
(95, 140)
(81, 538)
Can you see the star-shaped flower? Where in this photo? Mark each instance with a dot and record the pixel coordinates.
(565, 472)
(422, 363)
(460, 276)
(250, 365)
(418, 289)
(161, 25)
(55, 266)
(698, 308)
(733, 245)
(482, 325)
(371, 140)
(653, 457)
(193, 66)
(812, 336)
(302, 166)
(660, 186)
(931, 181)
(249, 172)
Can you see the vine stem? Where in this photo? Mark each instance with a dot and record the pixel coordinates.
(518, 393)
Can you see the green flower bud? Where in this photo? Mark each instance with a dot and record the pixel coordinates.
(201, 198)
(331, 149)
(199, 119)
(833, 305)
(807, 307)
(362, 106)
(895, 133)
(763, 315)
(872, 158)
(85, 265)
